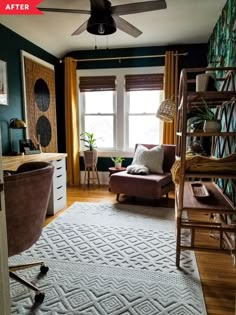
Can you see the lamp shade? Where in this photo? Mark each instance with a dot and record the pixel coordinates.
(101, 24)
(16, 123)
(166, 111)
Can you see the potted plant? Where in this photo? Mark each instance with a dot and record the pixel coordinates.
(90, 155)
(118, 161)
(204, 118)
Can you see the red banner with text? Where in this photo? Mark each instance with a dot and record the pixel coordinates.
(19, 7)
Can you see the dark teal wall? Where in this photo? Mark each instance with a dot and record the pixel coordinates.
(197, 56)
(10, 52)
(11, 45)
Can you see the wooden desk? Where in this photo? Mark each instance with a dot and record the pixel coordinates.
(57, 199)
(13, 162)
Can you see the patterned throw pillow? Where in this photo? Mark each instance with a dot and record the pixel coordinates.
(152, 159)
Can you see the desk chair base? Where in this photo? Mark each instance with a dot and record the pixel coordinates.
(39, 296)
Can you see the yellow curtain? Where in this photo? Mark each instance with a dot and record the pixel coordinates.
(170, 92)
(71, 122)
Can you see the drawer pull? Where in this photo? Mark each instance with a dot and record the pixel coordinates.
(59, 198)
(59, 160)
(59, 187)
(59, 176)
(59, 168)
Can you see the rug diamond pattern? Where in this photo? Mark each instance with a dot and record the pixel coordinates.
(114, 264)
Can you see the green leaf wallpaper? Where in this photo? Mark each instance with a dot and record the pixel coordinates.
(222, 43)
(222, 53)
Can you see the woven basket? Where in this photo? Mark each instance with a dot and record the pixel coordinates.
(166, 111)
(203, 164)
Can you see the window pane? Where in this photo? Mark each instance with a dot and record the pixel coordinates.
(145, 101)
(102, 127)
(143, 129)
(99, 102)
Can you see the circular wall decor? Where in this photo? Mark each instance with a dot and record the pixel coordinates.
(42, 95)
(44, 130)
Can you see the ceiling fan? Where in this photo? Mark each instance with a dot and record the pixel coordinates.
(104, 18)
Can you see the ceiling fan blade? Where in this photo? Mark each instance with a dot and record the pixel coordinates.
(64, 10)
(81, 29)
(138, 7)
(126, 27)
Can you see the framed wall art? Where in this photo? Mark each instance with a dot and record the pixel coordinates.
(40, 101)
(3, 83)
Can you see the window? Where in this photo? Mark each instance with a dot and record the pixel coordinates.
(120, 109)
(99, 117)
(144, 93)
(98, 109)
(143, 126)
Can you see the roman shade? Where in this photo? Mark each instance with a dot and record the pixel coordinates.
(97, 83)
(137, 82)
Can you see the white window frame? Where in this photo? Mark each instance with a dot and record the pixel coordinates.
(128, 114)
(120, 103)
(83, 114)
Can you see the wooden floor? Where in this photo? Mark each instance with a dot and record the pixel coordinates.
(217, 273)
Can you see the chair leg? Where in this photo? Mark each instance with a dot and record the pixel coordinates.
(39, 296)
(22, 266)
(22, 281)
(117, 197)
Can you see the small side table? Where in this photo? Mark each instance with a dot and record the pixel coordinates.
(113, 170)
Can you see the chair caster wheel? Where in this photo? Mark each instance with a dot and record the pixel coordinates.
(44, 269)
(39, 297)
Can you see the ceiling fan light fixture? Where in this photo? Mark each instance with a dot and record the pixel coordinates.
(101, 29)
(100, 24)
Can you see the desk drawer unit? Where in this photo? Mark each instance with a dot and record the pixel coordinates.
(57, 199)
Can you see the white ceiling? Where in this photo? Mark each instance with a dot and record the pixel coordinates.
(183, 22)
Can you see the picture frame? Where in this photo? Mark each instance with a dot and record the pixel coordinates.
(3, 83)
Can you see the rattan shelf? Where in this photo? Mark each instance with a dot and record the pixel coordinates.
(215, 203)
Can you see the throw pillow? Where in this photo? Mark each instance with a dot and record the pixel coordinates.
(152, 159)
(137, 169)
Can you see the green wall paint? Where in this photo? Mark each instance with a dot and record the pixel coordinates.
(197, 56)
(104, 163)
(10, 52)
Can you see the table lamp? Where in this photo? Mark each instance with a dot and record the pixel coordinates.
(15, 123)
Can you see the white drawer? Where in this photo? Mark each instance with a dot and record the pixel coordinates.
(59, 203)
(58, 193)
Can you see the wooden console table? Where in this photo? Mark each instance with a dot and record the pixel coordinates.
(58, 194)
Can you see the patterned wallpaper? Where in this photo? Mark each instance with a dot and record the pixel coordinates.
(222, 43)
(222, 52)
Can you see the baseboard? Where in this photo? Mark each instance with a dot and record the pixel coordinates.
(103, 178)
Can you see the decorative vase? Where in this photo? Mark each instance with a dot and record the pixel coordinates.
(202, 81)
(212, 126)
(90, 157)
(117, 165)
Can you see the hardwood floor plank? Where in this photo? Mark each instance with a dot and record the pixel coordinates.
(217, 273)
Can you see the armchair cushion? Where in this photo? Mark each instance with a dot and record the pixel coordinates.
(147, 186)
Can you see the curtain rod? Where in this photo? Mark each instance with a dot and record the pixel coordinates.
(125, 57)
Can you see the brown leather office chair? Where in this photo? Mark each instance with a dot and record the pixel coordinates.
(27, 194)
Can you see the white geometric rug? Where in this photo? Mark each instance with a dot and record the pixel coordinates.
(110, 259)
